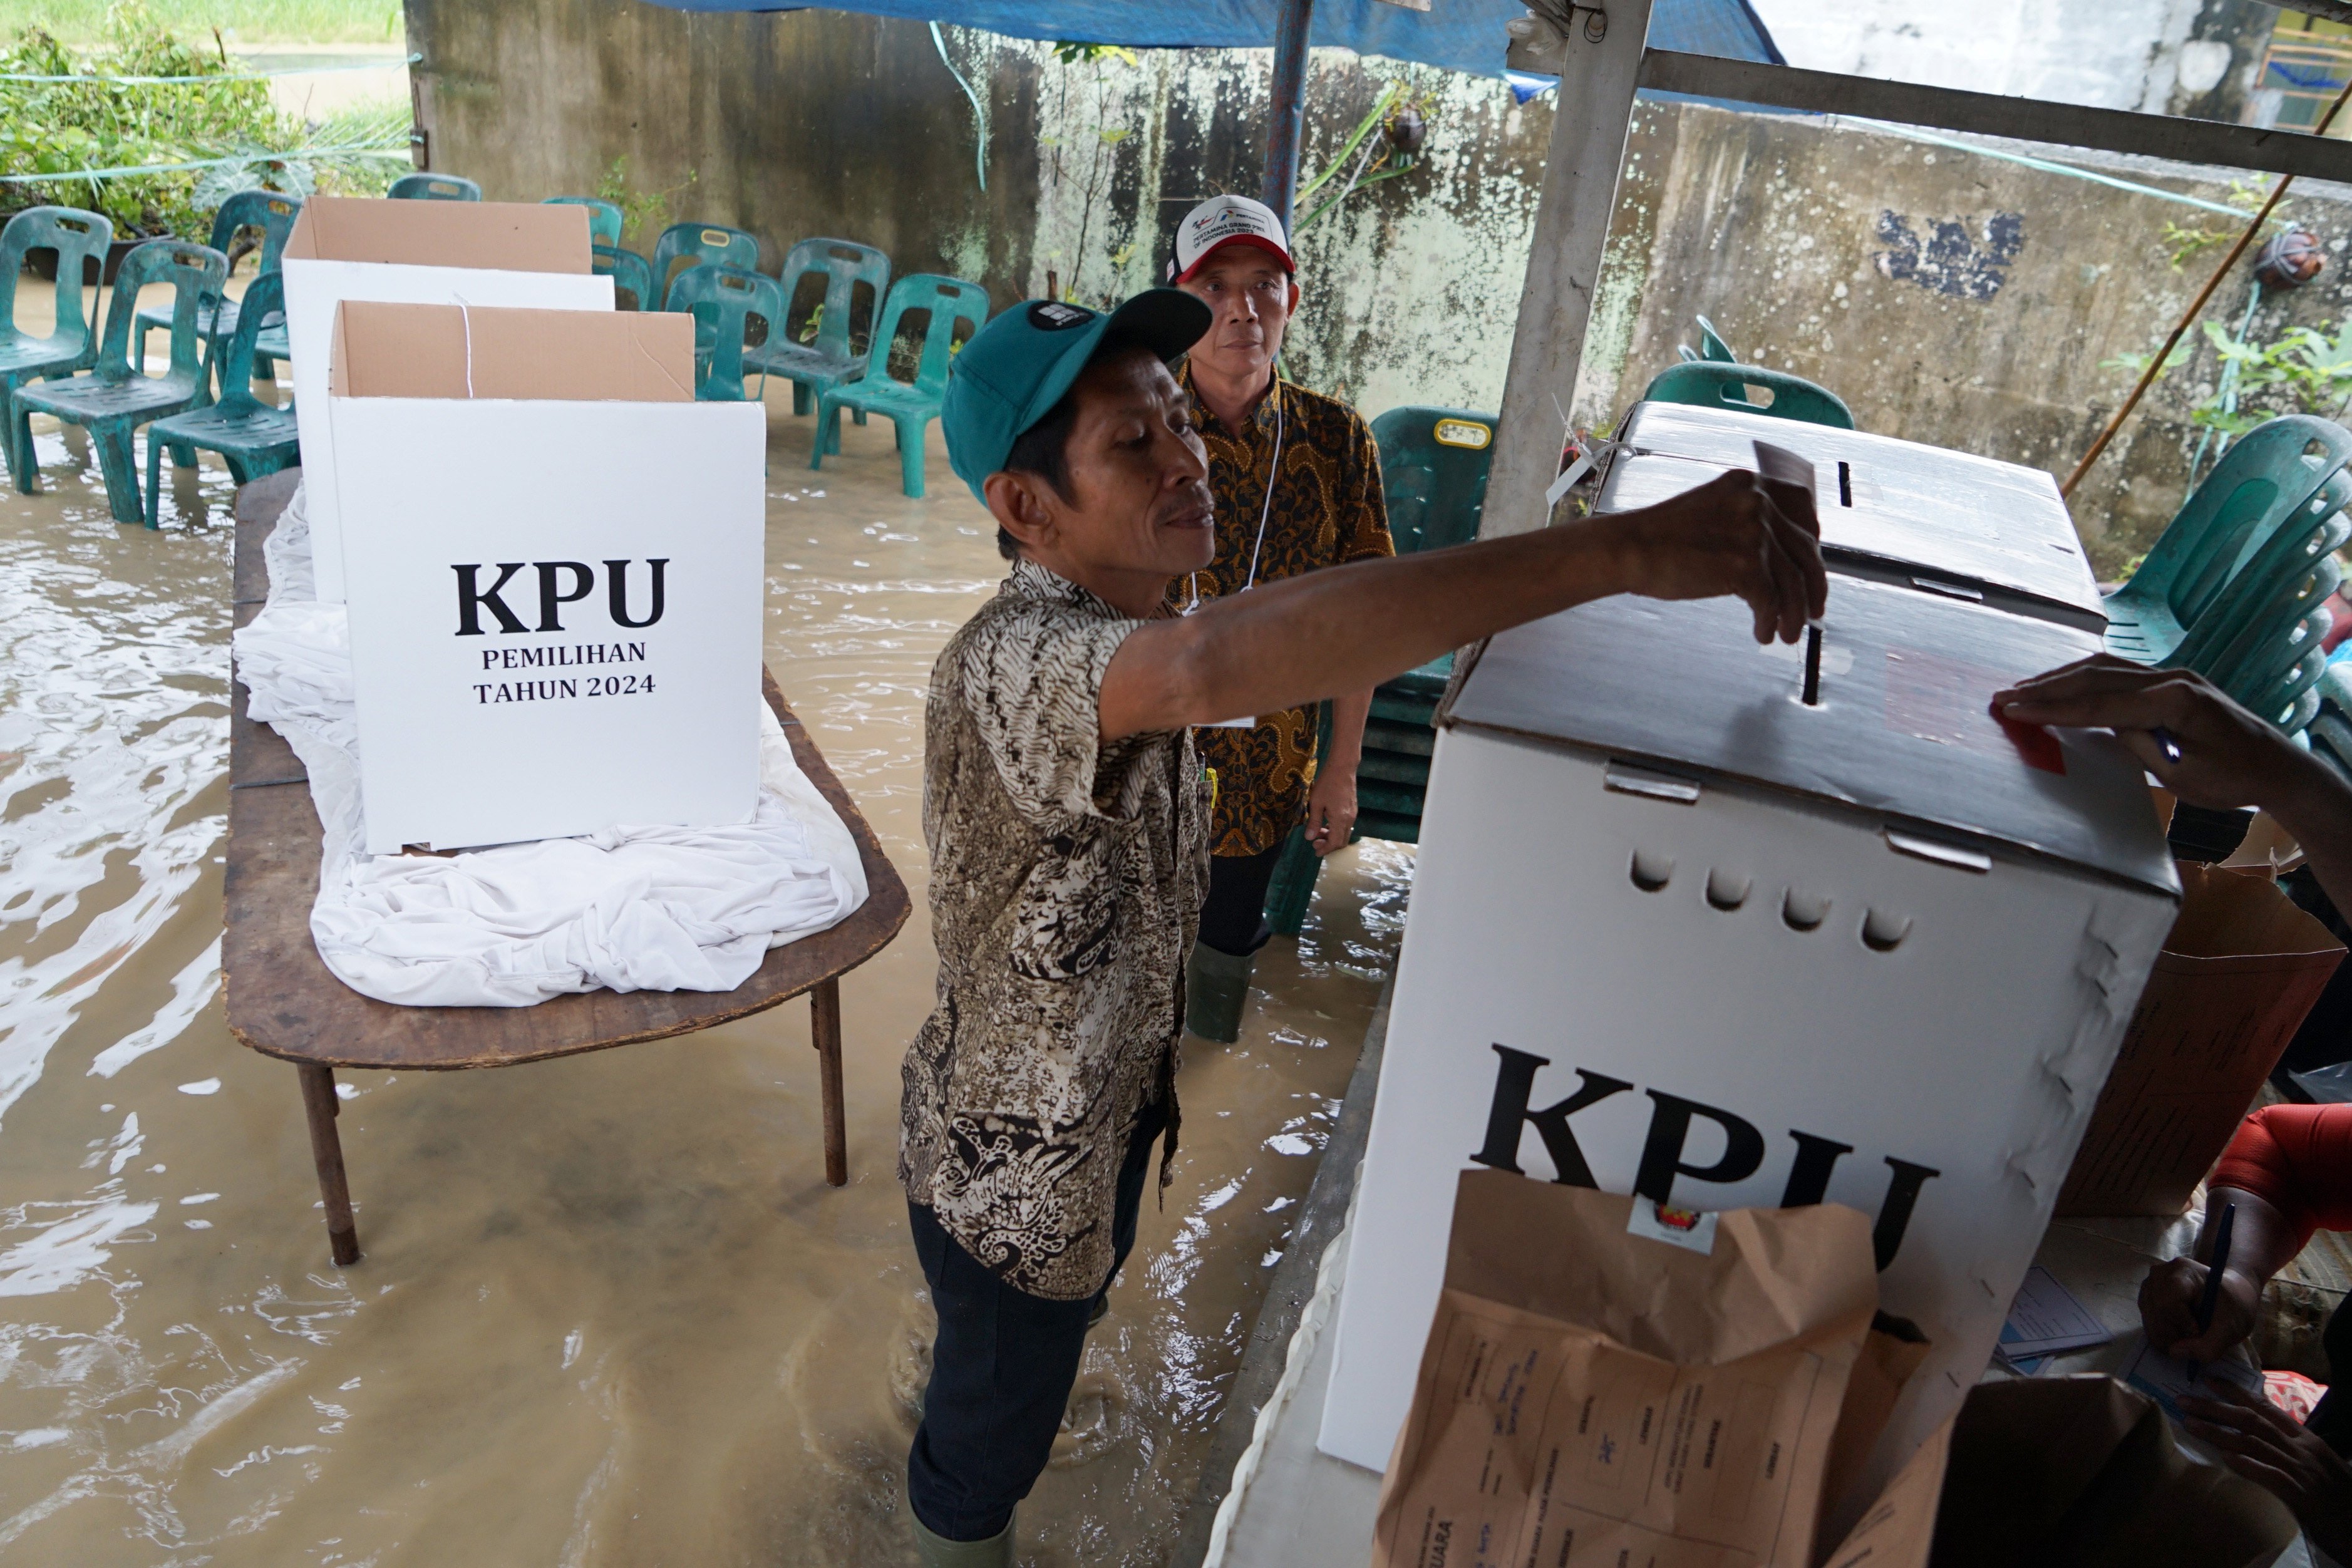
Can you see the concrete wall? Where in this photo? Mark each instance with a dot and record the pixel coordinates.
(2162, 56)
(1949, 296)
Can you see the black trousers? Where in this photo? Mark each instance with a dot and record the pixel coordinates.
(1002, 1369)
(1233, 916)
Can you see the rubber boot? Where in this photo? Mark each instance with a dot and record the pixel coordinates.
(938, 1552)
(1216, 989)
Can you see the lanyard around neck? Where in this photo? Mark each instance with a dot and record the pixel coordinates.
(1265, 511)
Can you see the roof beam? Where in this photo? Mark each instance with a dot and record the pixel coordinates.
(2206, 142)
(2333, 10)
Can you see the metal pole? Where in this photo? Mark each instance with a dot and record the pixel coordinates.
(1289, 107)
(1599, 67)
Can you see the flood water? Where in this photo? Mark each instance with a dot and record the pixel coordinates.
(609, 1312)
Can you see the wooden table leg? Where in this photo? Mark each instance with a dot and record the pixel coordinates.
(824, 1027)
(319, 1103)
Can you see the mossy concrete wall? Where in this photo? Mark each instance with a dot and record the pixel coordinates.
(1949, 296)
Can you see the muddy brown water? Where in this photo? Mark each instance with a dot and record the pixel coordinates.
(609, 1312)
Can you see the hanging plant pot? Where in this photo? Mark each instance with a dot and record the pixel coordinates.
(2290, 261)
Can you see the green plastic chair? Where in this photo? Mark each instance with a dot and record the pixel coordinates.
(2273, 473)
(251, 437)
(829, 357)
(629, 272)
(78, 237)
(1709, 383)
(722, 299)
(2328, 731)
(113, 398)
(604, 218)
(273, 214)
(695, 243)
(1433, 468)
(2248, 635)
(434, 188)
(909, 406)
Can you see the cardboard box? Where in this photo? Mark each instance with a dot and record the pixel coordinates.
(2240, 969)
(1921, 517)
(344, 248)
(1674, 928)
(556, 574)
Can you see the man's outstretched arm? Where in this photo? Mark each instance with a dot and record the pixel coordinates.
(1353, 626)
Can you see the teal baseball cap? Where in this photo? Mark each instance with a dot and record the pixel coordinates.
(1016, 368)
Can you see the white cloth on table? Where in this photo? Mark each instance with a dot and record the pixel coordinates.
(629, 908)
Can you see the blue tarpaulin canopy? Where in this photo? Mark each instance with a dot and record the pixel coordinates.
(1460, 34)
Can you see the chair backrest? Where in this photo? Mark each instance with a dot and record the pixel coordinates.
(196, 273)
(604, 218)
(1712, 385)
(721, 297)
(262, 307)
(1711, 345)
(697, 243)
(949, 300)
(845, 264)
(76, 237)
(1434, 465)
(2274, 586)
(434, 188)
(628, 270)
(2268, 475)
(272, 212)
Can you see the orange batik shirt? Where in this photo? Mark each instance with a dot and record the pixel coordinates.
(1327, 509)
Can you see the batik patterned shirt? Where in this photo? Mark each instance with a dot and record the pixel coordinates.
(1067, 879)
(1329, 509)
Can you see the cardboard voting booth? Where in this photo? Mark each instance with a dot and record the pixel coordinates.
(343, 248)
(1970, 528)
(1676, 931)
(555, 569)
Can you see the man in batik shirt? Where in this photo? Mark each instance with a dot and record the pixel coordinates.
(1067, 814)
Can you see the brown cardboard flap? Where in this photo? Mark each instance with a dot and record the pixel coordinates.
(481, 352)
(2236, 977)
(1898, 1529)
(510, 236)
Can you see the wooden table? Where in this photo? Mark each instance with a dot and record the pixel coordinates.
(283, 1001)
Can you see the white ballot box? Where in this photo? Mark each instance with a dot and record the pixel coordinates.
(346, 247)
(1676, 931)
(1942, 521)
(556, 574)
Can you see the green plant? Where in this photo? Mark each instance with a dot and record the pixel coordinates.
(2304, 371)
(2182, 241)
(1101, 141)
(157, 157)
(1382, 160)
(639, 209)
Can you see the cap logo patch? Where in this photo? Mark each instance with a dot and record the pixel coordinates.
(1052, 316)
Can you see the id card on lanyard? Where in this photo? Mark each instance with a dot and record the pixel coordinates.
(1273, 473)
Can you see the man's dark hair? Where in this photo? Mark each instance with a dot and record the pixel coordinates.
(1043, 450)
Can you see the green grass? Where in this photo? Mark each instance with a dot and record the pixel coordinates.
(243, 23)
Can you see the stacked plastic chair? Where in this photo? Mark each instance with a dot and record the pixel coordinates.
(1434, 465)
(2236, 587)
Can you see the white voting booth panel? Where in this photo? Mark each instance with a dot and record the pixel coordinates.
(1926, 517)
(555, 582)
(426, 253)
(1675, 927)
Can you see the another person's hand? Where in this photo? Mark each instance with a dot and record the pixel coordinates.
(2220, 755)
(1732, 535)
(2290, 1461)
(1330, 809)
(2169, 1299)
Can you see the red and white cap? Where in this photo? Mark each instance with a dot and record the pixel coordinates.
(1227, 220)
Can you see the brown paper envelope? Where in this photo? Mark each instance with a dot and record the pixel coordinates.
(1588, 1397)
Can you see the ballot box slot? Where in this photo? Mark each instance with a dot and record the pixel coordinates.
(1936, 852)
(1845, 483)
(1626, 779)
(1949, 590)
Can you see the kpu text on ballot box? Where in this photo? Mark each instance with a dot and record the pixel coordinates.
(1970, 528)
(1676, 931)
(556, 574)
(481, 253)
